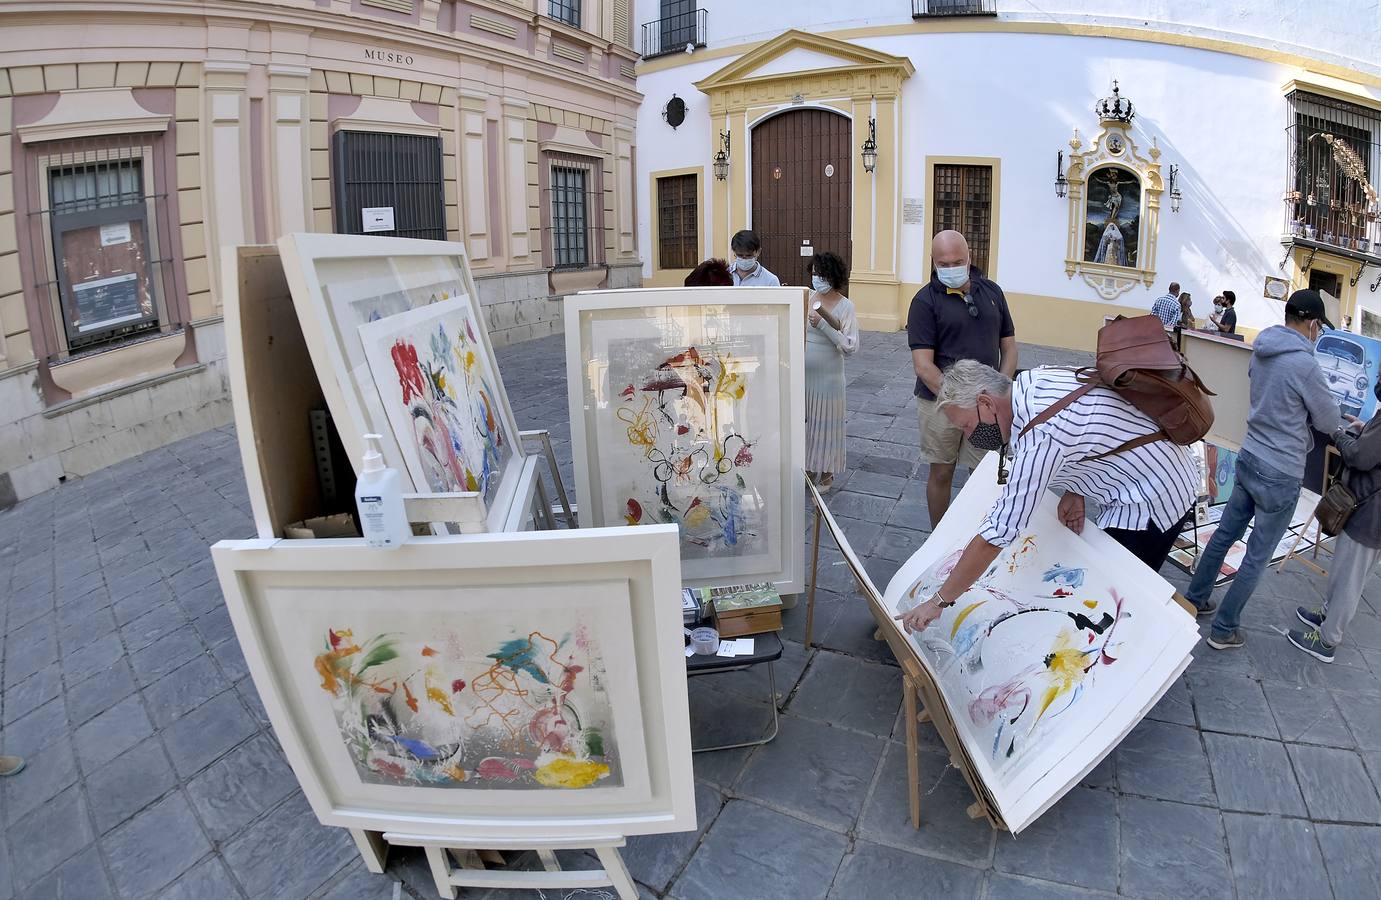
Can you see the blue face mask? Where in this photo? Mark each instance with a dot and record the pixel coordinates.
(745, 265)
(953, 276)
(819, 284)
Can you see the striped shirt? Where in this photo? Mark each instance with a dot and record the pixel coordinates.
(1152, 483)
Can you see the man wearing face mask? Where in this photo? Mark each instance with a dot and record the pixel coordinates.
(748, 272)
(958, 315)
(1288, 396)
(1144, 494)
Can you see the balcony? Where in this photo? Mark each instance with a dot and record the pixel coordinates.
(935, 9)
(678, 33)
(1331, 187)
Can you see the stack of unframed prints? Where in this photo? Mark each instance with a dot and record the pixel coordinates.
(399, 345)
(1051, 658)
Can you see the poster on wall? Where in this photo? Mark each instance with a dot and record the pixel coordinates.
(1052, 657)
(502, 684)
(1350, 364)
(685, 411)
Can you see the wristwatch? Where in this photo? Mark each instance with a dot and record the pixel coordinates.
(940, 601)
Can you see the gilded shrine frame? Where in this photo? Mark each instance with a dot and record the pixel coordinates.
(1113, 148)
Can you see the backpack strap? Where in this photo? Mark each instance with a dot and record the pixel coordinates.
(1059, 405)
(1055, 408)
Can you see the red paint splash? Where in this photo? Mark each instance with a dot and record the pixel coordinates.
(409, 371)
(744, 456)
(634, 515)
(335, 639)
(457, 686)
(384, 767)
(412, 701)
(627, 392)
(1061, 592)
(428, 651)
(682, 429)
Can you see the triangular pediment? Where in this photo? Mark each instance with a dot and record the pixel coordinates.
(793, 52)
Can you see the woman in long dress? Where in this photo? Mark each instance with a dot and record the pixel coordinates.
(832, 334)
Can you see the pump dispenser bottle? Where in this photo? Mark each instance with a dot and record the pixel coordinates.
(379, 499)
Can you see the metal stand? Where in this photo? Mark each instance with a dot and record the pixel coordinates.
(543, 437)
(772, 688)
(552, 877)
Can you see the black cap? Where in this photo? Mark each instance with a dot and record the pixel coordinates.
(1306, 304)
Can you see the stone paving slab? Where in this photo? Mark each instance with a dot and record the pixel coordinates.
(153, 772)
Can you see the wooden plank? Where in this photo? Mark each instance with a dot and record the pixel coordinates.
(273, 388)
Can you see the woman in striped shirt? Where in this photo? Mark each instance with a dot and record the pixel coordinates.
(1144, 494)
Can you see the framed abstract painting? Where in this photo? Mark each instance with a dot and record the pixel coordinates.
(343, 285)
(688, 408)
(1052, 657)
(496, 685)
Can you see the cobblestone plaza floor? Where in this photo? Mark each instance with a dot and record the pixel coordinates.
(152, 771)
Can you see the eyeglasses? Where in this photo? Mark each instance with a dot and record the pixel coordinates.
(973, 307)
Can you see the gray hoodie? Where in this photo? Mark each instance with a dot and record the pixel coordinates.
(1288, 394)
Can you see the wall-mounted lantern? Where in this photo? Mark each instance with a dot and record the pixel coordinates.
(1175, 195)
(1061, 182)
(721, 159)
(870, 146)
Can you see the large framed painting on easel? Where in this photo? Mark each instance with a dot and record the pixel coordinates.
(491, 687)
(399, 345)
(688, 408)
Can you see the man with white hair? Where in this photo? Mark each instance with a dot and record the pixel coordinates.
(1145, 493)
(958, 315)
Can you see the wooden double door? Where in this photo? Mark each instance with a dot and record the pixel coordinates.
(802, 190)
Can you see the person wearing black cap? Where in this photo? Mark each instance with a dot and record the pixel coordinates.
(1288, 395)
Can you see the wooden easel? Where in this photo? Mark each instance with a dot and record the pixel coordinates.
(1319, 537)
(551, 877)
(921, 699)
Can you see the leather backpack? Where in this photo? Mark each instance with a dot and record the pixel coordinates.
(1135, 359)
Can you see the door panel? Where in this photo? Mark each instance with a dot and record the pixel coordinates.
(802, 189)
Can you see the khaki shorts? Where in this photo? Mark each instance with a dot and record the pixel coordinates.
(943, 443)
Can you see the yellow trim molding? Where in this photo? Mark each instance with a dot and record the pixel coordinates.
(866, 84)
(982, 25)
(673, 277)
(994, 163)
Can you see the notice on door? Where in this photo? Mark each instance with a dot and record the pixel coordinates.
(377, 218)
(912, 211)
(117, 233)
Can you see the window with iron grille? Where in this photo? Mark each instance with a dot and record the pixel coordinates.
(570, 219)
(567, 11)
(99, 220)
(1332, 184)
(400, 173)
(678, 241)
(963, 200)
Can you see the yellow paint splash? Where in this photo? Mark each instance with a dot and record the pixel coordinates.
(697, 516)
(440, 699)
(1066, 669)
(1091, 604)
(964, 614)
(570, 773)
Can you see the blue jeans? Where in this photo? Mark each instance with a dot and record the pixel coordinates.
(1269, 497)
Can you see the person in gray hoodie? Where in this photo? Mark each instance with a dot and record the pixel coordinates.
(1357, 549)
(1288, 394)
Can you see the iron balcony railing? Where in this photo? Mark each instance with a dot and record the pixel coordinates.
(675, 34)
(1333, 174)
(925, 9)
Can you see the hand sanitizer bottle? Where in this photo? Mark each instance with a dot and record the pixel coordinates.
(379, 498)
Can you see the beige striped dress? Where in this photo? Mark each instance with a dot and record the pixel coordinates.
(825, 410)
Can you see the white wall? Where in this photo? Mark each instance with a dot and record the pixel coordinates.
(1220, 117)
(1344, 32)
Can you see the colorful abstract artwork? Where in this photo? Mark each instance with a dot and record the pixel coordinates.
(683, 415)
(685, 425)
(482, 706)
(438, 395)
(1052, 656)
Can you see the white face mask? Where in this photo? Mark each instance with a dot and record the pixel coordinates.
(953, 276)
(819, 284)
(745, 264)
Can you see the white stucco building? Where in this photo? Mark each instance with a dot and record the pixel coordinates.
(1270, 116)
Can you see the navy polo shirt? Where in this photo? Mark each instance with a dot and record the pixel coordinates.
(940, 321)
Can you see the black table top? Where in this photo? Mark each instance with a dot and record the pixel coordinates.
(767, 647)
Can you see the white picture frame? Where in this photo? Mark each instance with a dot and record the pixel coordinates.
(1024, 781)
(621, 586)
(334, 280)
(755, 333)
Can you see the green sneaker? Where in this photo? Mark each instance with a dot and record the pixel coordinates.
(1312, 643)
